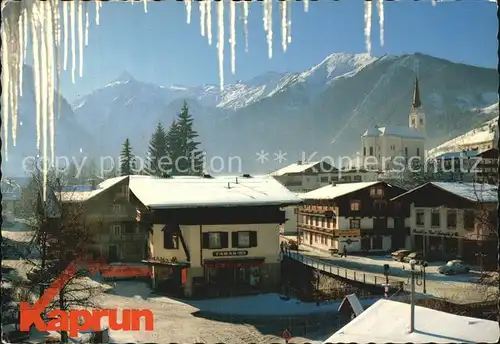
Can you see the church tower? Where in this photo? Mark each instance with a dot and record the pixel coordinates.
(417, 118)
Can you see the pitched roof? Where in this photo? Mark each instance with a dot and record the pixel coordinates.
(186, 192)
(388, 321)
(474, 192)
(300, 167)
(394, 130)
(81, 194)
(336, 190)
(459, 155)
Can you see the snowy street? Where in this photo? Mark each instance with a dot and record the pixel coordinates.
(460, 288)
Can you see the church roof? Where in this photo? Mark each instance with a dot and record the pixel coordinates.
(416, 95)
(394, 130)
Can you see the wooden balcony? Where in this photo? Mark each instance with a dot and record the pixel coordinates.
(316, 209)
(128, 237)
(111, 216)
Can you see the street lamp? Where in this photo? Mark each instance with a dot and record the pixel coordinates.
(417, 278)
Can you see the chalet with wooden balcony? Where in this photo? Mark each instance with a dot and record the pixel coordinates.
(110, 210)
(356, 216)
(306, 176)
(453, 218)
(487, 167)
(212, 235)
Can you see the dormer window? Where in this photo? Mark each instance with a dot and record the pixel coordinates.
(413, 121)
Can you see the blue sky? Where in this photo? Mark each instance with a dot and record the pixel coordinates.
(160, 47)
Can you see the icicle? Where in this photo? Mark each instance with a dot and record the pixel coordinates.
(80, 37)
(232, 34)
(15, 66)
(284, 35)
(209, 22)
(145, 5)
(49, 31)
(245, 24)
(57, 49)
(66, 33)
(380, 9)
(188, 10)
(97, 8)
(368, 26)
(36, 68)
(44, 84)
(25, 32)
(220, 43)
(289, 24)
(87, 24)
(21, 52)
(269, 26)
(73, 39)
(306, 5)
(434, 3)
(5, 81)
(203, 14)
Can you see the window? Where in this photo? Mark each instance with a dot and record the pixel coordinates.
(420, 215)
(469, 219)
(355, 205)
(346, 178)
(117, 208)
(116, 229)
(373, 192)
(244, 239)
(335, 179)
(406, 151)
(170, 240)
(380, 224)
(435, 220)
(418, 151)
(413, 121)
(380, 192)
(371, 151)
(451, 218)
(324, 179)
(364, 151)
(354, 224)
(323, 240)
(357, 178)
(215, 240)
(421, 121)
(397, 206)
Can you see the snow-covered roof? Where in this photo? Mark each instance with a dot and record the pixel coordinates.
(458, 155)
(388, 321)
(78, 194)
(394, 130)
(336, 190)
(220, 191)
(475, 192)
(300, 167)
(485, 133)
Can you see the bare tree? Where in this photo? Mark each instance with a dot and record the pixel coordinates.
(61, 238)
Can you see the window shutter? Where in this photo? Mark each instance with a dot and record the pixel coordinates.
(253, 239)
(166, 236)
(224, 239)
(205, 240)
(234, 239)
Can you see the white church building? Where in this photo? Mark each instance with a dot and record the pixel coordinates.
(391, 145)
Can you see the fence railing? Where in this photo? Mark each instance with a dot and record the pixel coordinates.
(353, 275)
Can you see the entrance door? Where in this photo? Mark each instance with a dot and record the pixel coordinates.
(113, 253)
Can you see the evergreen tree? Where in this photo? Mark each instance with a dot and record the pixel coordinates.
(127, 159)
(186, 145)
(173, 147)
(157, 152)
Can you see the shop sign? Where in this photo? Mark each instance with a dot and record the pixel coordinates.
(230, 253)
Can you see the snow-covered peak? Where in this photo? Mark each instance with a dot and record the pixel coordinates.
(124, 78)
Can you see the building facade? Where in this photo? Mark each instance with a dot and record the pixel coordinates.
(358, 217)
(213, 236)
(452, 219)
(487, 167)
(109, 209)
(386, 147)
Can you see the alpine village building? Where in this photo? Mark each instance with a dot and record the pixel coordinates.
(212, 236)
(357, 217)
(454, 219)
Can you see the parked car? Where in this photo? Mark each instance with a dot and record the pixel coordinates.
(454, 267)
(418, 257)
(400, 254)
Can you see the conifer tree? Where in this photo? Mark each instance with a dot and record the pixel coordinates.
(186, 146)
(157, 152)
(127, 159)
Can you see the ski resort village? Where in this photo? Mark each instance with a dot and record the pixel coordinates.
(160, 187)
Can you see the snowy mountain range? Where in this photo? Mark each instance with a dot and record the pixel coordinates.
(334, 100)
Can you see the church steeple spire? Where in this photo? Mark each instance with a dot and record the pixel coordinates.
(416, 95)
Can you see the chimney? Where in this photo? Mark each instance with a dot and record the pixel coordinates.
(299, 162)
(93, 184)
(333, 184)
(236, 180)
